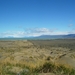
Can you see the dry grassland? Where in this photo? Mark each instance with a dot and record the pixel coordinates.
(17, 56)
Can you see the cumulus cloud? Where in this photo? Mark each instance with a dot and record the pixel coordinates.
(39, 31)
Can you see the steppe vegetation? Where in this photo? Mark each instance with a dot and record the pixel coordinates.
(37, 57)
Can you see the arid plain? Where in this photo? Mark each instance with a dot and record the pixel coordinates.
(19, 56)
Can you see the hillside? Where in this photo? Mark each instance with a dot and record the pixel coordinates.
(56, 36)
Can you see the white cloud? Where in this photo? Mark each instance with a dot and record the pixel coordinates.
(12, 34)
(38, 31)
(33, 32)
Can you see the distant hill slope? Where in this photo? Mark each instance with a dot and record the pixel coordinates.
(55, 36)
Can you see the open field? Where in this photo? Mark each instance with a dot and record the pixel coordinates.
(37, 57)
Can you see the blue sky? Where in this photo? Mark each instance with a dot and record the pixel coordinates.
(24, 18)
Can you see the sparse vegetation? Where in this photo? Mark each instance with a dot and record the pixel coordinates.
(60, 70)
(34, 57)
(7, 69)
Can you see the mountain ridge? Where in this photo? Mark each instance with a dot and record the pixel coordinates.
(56, 36)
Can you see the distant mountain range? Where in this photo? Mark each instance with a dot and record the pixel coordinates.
(56, 36)
(69, 36)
